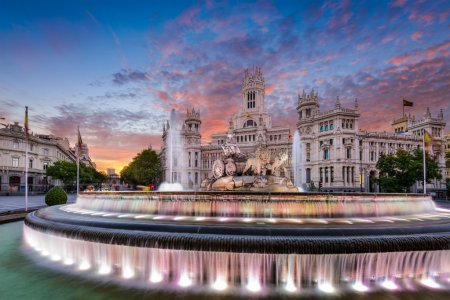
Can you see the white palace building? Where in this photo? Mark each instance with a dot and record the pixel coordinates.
(335, 152)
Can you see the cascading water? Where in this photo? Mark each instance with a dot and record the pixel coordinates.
(174, 156)
(297, 159)
(249, 242)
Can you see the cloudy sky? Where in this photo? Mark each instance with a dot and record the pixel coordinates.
(116, 68)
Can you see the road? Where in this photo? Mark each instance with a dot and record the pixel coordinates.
(14, 203)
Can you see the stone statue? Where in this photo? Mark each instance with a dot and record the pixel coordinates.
(228, 172)
(260, 162)
(229, 148)
(218, 168)
(280, 160)
(206, 184)
(254, 165)
(230, 167)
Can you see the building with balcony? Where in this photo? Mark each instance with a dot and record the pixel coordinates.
(43, 151)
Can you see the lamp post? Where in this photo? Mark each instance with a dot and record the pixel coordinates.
(361, 153)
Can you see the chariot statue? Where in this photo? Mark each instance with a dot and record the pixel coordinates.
(230, 172)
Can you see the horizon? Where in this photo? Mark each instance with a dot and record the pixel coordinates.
(117, 70)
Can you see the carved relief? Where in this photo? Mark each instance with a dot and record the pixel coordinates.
(280, 160)
(230, 167)
(218, 168)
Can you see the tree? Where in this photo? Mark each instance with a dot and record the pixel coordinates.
(63, 170)
(145, 169)
(400, 171)
(67, 173)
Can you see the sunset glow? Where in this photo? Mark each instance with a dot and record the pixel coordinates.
(117, 69)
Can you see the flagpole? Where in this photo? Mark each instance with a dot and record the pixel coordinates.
(78, 165)
(26, 174)
(26, 158)
(424, 165)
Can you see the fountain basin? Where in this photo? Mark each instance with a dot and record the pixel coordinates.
(163, 240)
(253, 204)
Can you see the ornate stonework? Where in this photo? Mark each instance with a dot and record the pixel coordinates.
(334, 151)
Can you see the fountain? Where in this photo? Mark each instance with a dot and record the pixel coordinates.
(248, 242)
(242, 235)
(175, 156)
(296, 158)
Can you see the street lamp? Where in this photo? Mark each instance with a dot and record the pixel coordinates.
(361, 153)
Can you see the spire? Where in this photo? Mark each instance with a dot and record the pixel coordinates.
(441, 114)
(356, 104)
(338, 103)
(428, 114)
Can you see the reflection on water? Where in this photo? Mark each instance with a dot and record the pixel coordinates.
(22, 279)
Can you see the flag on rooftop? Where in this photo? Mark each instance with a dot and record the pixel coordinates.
(407, 103)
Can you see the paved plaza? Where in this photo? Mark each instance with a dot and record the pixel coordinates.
(13, 203)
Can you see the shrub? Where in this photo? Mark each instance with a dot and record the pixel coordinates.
(56, 195)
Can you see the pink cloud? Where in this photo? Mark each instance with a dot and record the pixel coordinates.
(420, 17)
(442, 49)
(290, 74)
(387, 39)
(398, 3)
(363, 46)
(416, 35)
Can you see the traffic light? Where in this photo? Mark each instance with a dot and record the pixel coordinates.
(320, 184)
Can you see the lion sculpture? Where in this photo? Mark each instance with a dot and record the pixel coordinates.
(259, 163)
(280, 160)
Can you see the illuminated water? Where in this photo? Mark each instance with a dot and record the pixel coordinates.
(21, 278)
(248, 244)
(175, 159)
(297, 159)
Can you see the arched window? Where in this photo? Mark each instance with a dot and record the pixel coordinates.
(250, 123)
(251, 99)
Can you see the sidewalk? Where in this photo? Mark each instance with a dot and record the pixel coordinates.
(17, 203)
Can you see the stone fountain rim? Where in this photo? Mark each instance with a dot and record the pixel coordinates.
(210, 193)
(220, 239)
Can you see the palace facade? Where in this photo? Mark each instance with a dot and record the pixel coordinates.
(336, 154)
(341, 157)
(43, 151)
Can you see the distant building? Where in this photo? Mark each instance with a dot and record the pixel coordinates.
(250, 127)
(84, 156)
(113, 178)
(336, 154)
(43, 151)
(341, 157)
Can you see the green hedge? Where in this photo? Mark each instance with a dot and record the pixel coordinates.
(55, 196)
